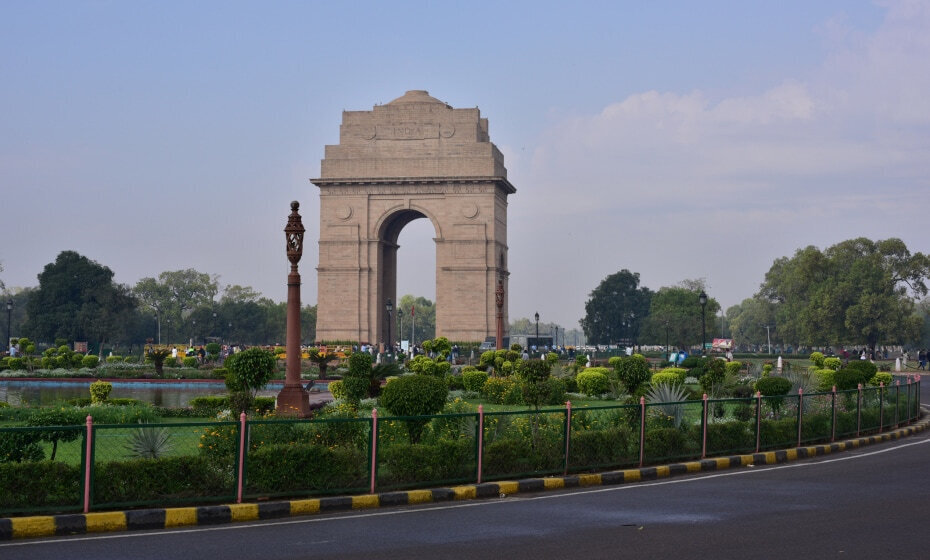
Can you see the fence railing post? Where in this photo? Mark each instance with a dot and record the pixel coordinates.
(480, 439)
(642, 430)
(88, 460)
(917, 401)
(800, 413)
(568, 431)
(897, 400)
(881, 406)
(242, 447)
(374, 447)
(758, 420)
(704, 426)
(833, 421)
(859, 410)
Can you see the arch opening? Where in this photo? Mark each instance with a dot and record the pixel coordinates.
(408, 271)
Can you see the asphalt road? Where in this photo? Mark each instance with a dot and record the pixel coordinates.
(869, 503)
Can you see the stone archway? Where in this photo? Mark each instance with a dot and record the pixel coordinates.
(413, 158)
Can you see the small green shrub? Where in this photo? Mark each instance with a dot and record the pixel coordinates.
(213, 348)
(732, 368)
(190, 362)
(114, 359)
(474, 380)
(171, 362)
(100, 391)
(502, 390)
(593, 381)
(824, 378)
(149, 442)
(692, 362)
(817, 359)
(669, 376)
(833, 363)
(633, 372)
(89, 361)
(881, 377)
(337, 389)
(414, 395)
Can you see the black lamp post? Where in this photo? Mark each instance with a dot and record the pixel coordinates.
(537, 330)
(703, 299)
(193, 330)
(9, 318)
(213, 325)
(168, 334)
(667, 355)
(389, 307)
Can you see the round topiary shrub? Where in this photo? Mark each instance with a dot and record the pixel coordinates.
(666, 378)
(833, 363)
(114, 359)
(773, 386)
(337, 389)
(415, 395)
(89, 361)
(502, 390)
(190, 362)
(825, 379)
(817, 359)
(100, 391)
(593, 381)
(473, 379)
(881, 377)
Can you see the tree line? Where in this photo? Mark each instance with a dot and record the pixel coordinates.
(78, 300)
(856, 293)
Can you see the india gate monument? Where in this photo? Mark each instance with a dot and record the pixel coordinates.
(415, 157)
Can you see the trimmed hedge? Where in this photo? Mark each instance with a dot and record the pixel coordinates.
(42, 483)
(166, 479)
(282, 468)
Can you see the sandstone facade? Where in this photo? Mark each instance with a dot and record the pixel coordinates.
(415, 157)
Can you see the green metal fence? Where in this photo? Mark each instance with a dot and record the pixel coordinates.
(75, 468)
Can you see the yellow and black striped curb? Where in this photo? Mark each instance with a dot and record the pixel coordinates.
(76, 524)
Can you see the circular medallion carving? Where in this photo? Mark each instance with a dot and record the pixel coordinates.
(344, 212)
(369, 133)
(470, 210)
(446, 130)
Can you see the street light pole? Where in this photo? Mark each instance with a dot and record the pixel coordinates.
(668, 356)
(9, 318)
(703, 299)
(537, 329)
(389, 307)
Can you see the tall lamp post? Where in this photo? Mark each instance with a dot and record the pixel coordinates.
(537, 330)
(9, 322)
(389, 307)
(213, 325)
(193, 330)
(668, 356)
(293, 398)
(703, 299)
(499, 302)
(413, 325)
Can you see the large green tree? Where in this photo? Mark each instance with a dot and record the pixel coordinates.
(78, 300)
(676, 310)
(748, 321)
(616, 309)
(856, 292)
(174, 295)
(425, 324)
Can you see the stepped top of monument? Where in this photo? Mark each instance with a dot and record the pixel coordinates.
(417, 96)
(413, 136)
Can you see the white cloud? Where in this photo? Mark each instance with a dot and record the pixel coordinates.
(677, 185)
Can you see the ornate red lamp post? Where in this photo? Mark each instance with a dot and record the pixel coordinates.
(293, 398)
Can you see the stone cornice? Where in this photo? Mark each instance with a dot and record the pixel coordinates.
(437, 182)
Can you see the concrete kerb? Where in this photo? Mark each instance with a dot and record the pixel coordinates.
(162, 518)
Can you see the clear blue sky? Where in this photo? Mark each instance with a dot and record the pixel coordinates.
(675, 139)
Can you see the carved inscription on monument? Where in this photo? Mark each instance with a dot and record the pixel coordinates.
(407, 132)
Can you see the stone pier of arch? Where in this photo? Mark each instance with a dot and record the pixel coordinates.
(413, 158)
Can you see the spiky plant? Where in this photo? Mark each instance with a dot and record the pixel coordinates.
(664, 396)
(149, 442)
